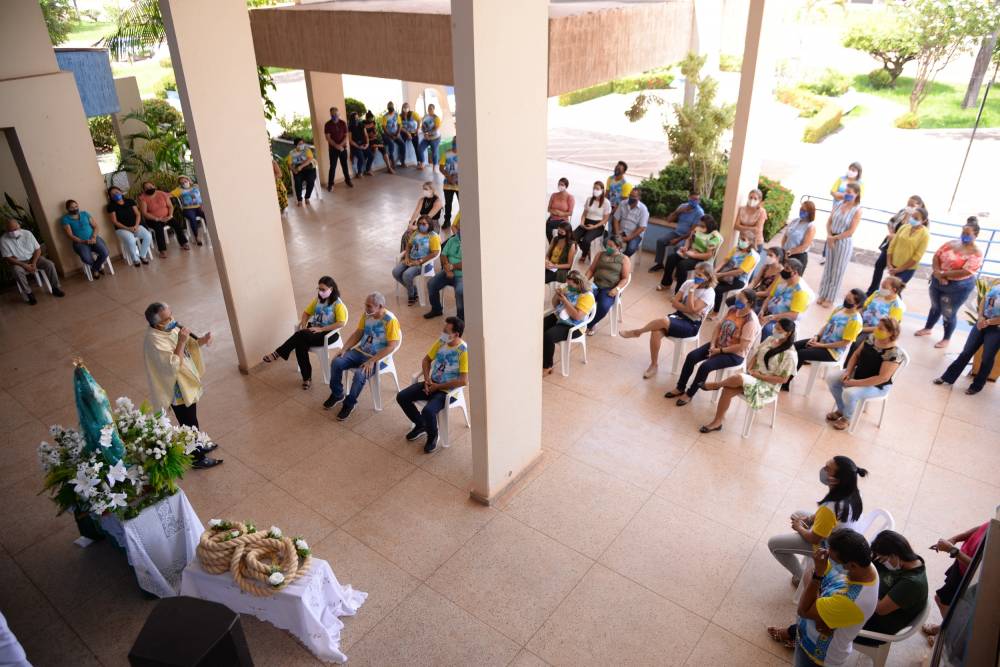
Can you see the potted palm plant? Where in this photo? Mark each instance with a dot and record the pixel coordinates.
(983, 286)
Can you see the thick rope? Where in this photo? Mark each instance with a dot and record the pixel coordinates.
(251, 558)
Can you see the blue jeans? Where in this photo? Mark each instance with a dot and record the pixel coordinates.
(604, 303)
(708, 364)
(141, 238)
(633, 246)
(93, 256)
(848, 398)
(394, 145)
(432, 158)
(682, 327)
(345, 362)
(989, 340)
(946, 300)
(800, 659)
(438, 283)
(194, 216)
(359, 156)
(404, 275)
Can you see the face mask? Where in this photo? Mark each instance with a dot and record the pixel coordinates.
(968, 238)
(885, 292)
(849, 196)
(610, 250)
(786, 274)
(848, 304)
(16, 233)
(185, 185)
(824, 476)
(428, 193)
(852, 173)
(694, 202)
(742, 245)
(422, 228)
(915, 222)
(300, 148)
(910, 209)
(698, 280)
(171, 325)
(888, 565)
(391, 110)
(149, 191)
(880, 334)
(753, 203)
(74, 211)
(771, 260)
(739, 305)
(562, 188)
(803, 215)
(633, 202)
(598, 192)
(117, 196)
(335, 116)
(324, 293)
(369, 313)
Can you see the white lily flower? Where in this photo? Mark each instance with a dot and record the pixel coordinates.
(106, 433)
(118, 473)
(84, 484)
(116, 500)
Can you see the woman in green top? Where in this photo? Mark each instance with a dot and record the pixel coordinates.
(705, 239)
(610, 272)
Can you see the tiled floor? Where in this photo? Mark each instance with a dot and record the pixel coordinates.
(634, 541)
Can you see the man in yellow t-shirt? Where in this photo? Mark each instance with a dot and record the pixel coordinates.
(378, 335)
(446, 367)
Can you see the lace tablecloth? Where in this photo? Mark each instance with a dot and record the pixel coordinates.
(308, 608)
(159, 543)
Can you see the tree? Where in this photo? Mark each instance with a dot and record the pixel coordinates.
(694, 137)
(140, 27)
(944, 28)
(887, 37)
(60, 17)
(988, 51)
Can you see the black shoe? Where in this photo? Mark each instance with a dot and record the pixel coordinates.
(415, 433)
(350, 184)
(58, 292)
(206, 462)
(32, 301)
(345, 411)
(973, 390)
(940, 381)
(331, 401)
(432, 444)
(211, 447)
(655, 267)
(434, 313)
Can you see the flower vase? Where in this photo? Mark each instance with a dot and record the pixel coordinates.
(88, 526)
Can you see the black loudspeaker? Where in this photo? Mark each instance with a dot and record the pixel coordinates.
(189, 632)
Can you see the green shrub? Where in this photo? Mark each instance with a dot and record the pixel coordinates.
(730, 62)
(908, 121)
(295, 128)
(166, 83)
(654, 79)
(778, 201)
(102, 133)
(584, 94)
(829, 82)
(880, 79)
(165, 63)
(809, 104)
(159, 112)
(354, 105)
(822, 124)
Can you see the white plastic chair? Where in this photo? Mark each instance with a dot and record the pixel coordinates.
(817, 368)
(617, 310)
(565, 346)
(681, 345)
(322, 352)
(873, 522)
(879, 654)
(420, 281)
(121, 249)
(41, 279)
(385, 365)
(90, 274)
(863, 405)
(723, 373)
(455, 399)
(752, 414)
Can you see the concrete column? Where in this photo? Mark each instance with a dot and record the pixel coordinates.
(706, 36)
(129, 102)
(217, 82)
(324, 90)
(756, 82)
(503, 304)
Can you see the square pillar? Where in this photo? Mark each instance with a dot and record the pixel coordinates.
(217, 83)
(503, 301)
(324, 91)
(129, 102)
(756, 83)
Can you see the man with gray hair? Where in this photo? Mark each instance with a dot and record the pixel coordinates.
(20, 249)
(378, 335)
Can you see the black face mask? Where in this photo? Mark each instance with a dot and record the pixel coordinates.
(848, 304)
(149, 191)
(786, 274)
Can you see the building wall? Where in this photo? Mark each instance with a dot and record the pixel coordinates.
(10, 178)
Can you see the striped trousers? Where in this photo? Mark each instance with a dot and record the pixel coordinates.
(838, 256)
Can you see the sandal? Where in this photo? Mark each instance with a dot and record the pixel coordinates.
(841, 424)
(781, 636)
(274, 356)
(650, 372)
(591, 332)
(922, 332)
(833, 416)
(941, 344)
(306, 384)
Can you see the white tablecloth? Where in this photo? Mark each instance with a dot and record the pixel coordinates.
(159, 543)
(309, 608)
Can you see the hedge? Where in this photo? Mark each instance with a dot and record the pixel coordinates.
(778, 201)
(352, 104)
(654, 79)
(102, 133)
(822, 124)
(809, 104)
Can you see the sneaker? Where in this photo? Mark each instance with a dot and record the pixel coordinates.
(331, 401)
(655, 267)
(206, 462)
(431, 315)
(415, 433)
(32, 301)
(345, 411)
(432, 444)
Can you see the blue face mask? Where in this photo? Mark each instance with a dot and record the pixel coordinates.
(968, 238)
(803, 215)
(739, 305)
(698, 280)
(915, 222)
(171, 325)
(849, 196)
(694, 202)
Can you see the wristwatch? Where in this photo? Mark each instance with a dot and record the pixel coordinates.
(953, 552)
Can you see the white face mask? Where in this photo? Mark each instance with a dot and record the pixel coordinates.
(889, 566)
(16, 233)
(852, 173)
(771, 260)
(598, 192)
(562, 188)
(885, 293)
(753, 203)
(324, 293)
(445, 338)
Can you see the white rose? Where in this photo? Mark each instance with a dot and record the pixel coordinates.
(301, 544)
(215, 523)
(274, 531)
(276, 579)
(234, 533)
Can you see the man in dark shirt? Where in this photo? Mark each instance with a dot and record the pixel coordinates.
(359, 143)
(336, 138)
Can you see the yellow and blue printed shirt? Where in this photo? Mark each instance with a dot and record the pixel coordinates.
(787, 298)
(377, 333)
(584, 302)
(840, 326)
(325, 314)
(744, 260)
(190, 198)
(991, 302)
(618, 191)
(844, 605)
(449, 162)
(422, 245)
(447, 362)
(876, 308)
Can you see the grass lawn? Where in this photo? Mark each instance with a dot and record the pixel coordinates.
(87, 33)
(943, 105)
(148, 73)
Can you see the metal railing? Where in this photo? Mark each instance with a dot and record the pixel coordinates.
(940, 232)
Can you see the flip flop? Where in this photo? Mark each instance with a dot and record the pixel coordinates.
(775, 635)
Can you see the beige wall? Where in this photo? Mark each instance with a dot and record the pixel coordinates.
(24, 41)
(217, 82)
(505, 382)
(10, 177)
(129, 101)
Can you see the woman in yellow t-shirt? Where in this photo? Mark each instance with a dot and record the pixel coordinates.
(324, 314)
(572, 306)
(839, 508)
(560, 255)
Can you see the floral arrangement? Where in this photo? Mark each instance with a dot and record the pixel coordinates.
(260, 563)
(156, 455)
